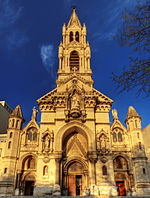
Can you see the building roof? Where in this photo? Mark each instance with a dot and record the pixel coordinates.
(17, 112)
(6, 106)
(132, 113)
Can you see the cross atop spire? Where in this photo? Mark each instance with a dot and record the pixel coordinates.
(74, 19)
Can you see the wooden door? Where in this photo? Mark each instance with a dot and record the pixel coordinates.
(78, 184)
(121, 188)
(29, 187)
(72, 185)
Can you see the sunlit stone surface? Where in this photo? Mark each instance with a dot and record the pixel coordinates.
(74, 150)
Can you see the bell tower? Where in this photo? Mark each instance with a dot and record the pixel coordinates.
(74, 108)
(139, 159)
(11, 155)
(74, 52)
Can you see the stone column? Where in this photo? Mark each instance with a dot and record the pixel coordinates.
(88, 64)
(60, 63)
(92, 171)
(57, 172)
(17, 183)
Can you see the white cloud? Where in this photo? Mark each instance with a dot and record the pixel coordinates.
(48, 57)
(8, 13)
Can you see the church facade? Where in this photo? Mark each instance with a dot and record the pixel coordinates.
(75, 150)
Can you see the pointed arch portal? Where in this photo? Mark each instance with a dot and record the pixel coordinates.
(75, 167)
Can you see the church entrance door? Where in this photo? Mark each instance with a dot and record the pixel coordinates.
(121, 188)
(29, 186)
(75, 185)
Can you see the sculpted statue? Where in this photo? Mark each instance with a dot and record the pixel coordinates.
(46, 170)
(88, 51)
(34, 114)
(46, 143)
(103, 145)
(75, 103)
(114, 113)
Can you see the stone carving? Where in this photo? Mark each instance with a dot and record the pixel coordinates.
(104, 159)
(102, 142)
(88, 51)
(46, 143)
(46, 159)
(75, 103)
(115, 115)
(34, 114)
(48, 140)
(46, 170)
(75, 106)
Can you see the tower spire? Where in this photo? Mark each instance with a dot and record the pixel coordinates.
(74, 52)
(74, 19)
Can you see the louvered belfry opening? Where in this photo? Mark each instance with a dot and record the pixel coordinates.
(74, 61)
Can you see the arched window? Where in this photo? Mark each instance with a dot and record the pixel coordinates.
(13, 122)
(135, 123)
(74, 61)
(104, 170)
(119, 137)
(144, 171)
(9, 145)
(11, 133)
(17, 123)
(35, 136)
(77, 36)
(5, 170)
(30, 136)
(45, 170)
(120, 163)
(138, 135)
(114, 137)
(31, 163)
(71, 36)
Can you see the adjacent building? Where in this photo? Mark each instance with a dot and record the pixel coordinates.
(5, 111)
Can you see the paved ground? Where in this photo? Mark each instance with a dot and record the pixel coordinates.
(75, 196)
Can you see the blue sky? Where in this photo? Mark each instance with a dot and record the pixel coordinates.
(30, 32)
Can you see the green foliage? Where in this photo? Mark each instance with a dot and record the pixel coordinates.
(135, 33)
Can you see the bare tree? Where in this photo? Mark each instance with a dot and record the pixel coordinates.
(135, 33)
